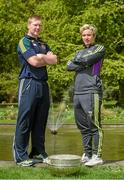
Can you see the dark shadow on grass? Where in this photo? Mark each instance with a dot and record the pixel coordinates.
(72, 175)
(66, 172)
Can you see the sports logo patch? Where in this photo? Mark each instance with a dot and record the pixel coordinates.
(43, 46)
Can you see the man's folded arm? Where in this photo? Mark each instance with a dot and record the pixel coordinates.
(40, 60)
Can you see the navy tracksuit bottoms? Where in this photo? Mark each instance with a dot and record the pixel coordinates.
(33, 102)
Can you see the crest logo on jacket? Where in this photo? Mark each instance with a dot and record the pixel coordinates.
(43, 46)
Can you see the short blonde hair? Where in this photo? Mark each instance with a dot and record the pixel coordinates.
(36, 17)
(89, 26)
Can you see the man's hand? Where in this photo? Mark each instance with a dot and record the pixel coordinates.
(77, 58)
(43, 59)
(48, 58)
(49, 52)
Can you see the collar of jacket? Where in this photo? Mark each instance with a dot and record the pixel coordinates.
(89, 45)
(32, 38)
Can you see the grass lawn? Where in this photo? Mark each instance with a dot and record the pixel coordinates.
(101, 172)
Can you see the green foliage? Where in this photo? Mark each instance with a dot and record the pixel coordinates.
(114, 115)
(63, 113)
(109, 21)
(8, 113)
(8, 87)
(61, 22)
(113, 72)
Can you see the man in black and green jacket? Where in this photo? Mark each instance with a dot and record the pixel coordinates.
(33, 95)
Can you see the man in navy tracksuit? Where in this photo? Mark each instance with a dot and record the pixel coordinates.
(88, 94)
(33, 96)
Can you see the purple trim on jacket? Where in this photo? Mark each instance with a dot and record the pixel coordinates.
(96, 68)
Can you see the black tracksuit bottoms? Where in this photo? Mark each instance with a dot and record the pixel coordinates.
(87, 109)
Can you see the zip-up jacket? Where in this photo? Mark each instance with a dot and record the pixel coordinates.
(87, 64)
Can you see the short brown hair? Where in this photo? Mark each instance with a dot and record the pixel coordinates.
(89, 26)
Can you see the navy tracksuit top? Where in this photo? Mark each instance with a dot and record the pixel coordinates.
(29, 46)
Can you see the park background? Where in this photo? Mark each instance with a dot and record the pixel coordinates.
(61, 22)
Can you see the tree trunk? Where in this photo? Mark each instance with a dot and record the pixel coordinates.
(121, 93)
